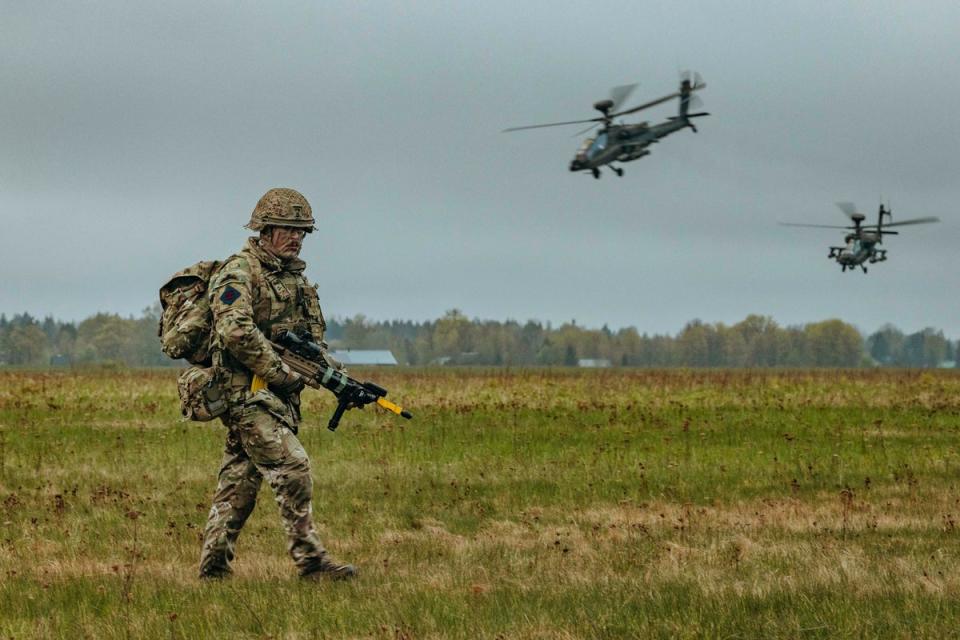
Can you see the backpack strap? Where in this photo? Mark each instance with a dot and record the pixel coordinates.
(259, 284)
(256, 273)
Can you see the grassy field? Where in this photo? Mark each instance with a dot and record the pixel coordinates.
(517, 504)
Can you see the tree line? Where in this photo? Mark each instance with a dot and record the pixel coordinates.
(454, 339)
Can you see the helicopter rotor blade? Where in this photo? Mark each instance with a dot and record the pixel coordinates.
(583, 131)
(552, 124)
(619, 95)
(848, 208)
(819, 226)
(647, 105)
(901, 223)
(695, 86)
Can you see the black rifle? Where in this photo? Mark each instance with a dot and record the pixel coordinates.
(308, 358)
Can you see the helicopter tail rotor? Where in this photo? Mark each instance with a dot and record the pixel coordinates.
(686, 93)
(880, 215)
(690, 82)
(884, 212)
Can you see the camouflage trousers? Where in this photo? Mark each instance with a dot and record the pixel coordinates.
(261, 444)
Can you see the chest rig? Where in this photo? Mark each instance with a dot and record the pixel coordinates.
(285, 301)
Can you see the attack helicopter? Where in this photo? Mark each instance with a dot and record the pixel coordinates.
(626, 142)
(861, 243)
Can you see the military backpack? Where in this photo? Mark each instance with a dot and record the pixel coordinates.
(186, 324)
(186, 332)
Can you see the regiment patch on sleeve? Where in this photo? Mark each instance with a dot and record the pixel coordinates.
(229, 295)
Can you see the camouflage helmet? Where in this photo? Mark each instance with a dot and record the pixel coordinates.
(281, 208)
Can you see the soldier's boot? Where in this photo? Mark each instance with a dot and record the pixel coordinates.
(215, 563)
(214, 576)
(329, 569)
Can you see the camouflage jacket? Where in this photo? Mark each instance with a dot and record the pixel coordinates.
(253, 297)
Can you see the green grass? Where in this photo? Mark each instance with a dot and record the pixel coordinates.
(517, 504)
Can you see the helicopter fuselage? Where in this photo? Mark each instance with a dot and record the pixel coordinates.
(859, 249)
(622, 143)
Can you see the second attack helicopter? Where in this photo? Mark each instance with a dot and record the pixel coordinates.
(626, 142)
(861, 242)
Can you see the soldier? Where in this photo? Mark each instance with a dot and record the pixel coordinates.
(256, 294)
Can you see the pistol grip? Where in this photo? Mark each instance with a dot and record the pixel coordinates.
(338, 413)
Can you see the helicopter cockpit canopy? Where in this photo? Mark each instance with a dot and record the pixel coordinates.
(582, 151)
(596, 145)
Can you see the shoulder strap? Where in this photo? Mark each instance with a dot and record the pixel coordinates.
(256, 271)
(259, 284)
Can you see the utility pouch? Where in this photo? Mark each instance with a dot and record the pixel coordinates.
(279, 409)
(202, 394)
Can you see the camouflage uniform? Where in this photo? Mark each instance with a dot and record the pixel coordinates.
(253, 296)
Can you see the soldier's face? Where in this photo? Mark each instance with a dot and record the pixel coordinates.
(285, 242)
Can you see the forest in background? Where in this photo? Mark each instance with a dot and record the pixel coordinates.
(455, 339)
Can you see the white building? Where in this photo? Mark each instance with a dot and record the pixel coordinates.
(365, 356)
(594, 363)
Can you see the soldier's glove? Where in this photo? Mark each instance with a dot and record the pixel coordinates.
(291, 384)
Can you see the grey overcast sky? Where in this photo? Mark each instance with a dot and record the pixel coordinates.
(135, 138)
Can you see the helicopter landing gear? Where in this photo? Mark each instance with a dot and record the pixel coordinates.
(864, 268)
(617, 170)
(596, 173)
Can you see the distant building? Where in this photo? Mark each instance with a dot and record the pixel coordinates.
(594, 363)
(365, 356)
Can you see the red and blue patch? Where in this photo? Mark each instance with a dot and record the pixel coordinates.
(229, 295)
